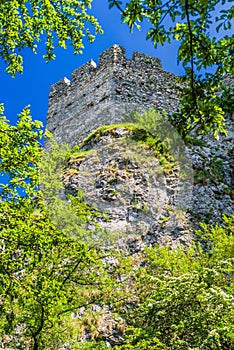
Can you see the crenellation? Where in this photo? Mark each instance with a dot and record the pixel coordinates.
(83, 74)
(59, 89)
(143, 62)
(115, 55)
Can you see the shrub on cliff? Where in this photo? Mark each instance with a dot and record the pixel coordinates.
(181, 298)
(185, 297)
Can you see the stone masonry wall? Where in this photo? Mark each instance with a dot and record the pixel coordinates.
(100, 95)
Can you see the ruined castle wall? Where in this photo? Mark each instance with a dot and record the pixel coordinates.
(100, 95)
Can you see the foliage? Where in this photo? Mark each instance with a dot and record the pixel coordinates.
(199, 112)
(160, 135)
(226, 98)
(92, 346)
(24, 23)
(156, 123)
(153, 121)
(141, 339)
(183, 298)
(192, 24)
(57, 205)
(180, 298)
(218, 241)
(44, 275)
(69, 211)
(20, 155)
(148, 128)
(189, 23)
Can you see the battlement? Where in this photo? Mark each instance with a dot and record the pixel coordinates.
(114, 56)
(85, 72)
(60, 88)
(99, 94)
(145, 62)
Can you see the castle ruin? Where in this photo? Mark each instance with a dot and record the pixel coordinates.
(114, 181)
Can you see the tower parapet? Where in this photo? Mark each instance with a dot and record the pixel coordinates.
(99, 94)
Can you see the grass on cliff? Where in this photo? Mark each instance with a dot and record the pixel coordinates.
(136, 133)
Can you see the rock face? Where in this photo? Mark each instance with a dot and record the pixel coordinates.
(213, 177)
(137, 197)
(100, 95)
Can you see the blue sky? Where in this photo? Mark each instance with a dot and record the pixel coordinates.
(32, 87)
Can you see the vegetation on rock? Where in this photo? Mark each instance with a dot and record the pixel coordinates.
(181, 298)
(170, 299)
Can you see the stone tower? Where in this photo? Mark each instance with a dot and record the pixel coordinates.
(123, 184)
(100, 94)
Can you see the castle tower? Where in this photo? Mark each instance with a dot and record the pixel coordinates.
(101, 94)
(118, 183)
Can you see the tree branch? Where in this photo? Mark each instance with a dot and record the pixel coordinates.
(190, 45)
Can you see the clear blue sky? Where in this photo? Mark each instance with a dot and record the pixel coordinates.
(32, 87)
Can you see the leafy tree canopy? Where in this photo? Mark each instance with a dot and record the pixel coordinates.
(192, 24)
(44, 275)
(23, 23)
